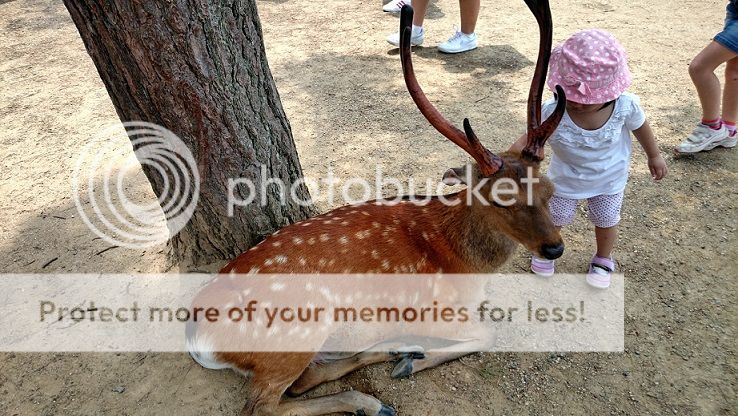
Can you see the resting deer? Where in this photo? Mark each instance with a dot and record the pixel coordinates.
(402, 238)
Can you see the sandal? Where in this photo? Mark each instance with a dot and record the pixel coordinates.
(600, 270)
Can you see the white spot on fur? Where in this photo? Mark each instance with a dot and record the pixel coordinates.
(277, 243)
(302, 261)
(375, 254)
(268, 262)
(385, 264)
(324, 237)
(362, 234)
(253, 270)
(343, 240)
(280, 259)
(311, 240)
(296, 241)
(305, 224)
(325, 292)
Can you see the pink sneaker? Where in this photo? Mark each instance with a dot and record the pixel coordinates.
(600, 270)
(542, 267)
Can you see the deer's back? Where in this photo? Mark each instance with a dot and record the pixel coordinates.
(365, 238)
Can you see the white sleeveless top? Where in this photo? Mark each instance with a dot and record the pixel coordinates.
(587, 163)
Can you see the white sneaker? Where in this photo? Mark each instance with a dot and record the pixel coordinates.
(459, 42)
(705, 138)
(395, 6)
(416, 38)
(729, 141)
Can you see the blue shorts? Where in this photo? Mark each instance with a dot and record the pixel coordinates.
(729, 36)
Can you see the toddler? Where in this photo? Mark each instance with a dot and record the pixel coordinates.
(592, 144)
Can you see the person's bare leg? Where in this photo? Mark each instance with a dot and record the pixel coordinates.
(606, 238)
(469, 10)
(419, 7)
(702, 71)
(730, 91)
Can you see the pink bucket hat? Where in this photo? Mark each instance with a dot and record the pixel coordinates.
(591, 66)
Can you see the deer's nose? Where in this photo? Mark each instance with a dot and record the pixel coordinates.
(552, 251)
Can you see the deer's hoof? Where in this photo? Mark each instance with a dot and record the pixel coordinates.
(415, 352)
(403, 368)
(386, 411)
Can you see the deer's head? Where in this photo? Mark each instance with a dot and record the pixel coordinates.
(514, 194)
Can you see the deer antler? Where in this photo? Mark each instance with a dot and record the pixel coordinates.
(538, 133)
(488, 162)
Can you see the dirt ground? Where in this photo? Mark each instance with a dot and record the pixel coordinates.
(341, 86)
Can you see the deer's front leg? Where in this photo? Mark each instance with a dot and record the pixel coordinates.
(318, 373)
(408, 365)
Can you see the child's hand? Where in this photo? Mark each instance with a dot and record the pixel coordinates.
(657, 166)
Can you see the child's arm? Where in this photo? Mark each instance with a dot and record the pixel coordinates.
(519, 145)
(656, 163)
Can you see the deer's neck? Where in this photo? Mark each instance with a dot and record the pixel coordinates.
(473, 233)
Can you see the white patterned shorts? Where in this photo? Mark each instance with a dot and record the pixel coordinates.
(604, 210)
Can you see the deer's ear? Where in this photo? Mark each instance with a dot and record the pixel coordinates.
(455, 176)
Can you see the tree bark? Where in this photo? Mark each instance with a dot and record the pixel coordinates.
(198, 68)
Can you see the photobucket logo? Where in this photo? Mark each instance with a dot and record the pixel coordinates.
(105, 194)
(486, 191)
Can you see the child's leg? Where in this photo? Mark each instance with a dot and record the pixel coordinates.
(562, 212)
(730, 94)
(702, 71)
(606, 238)
(604, 212)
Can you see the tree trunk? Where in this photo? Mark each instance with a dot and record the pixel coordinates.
(198, 68)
